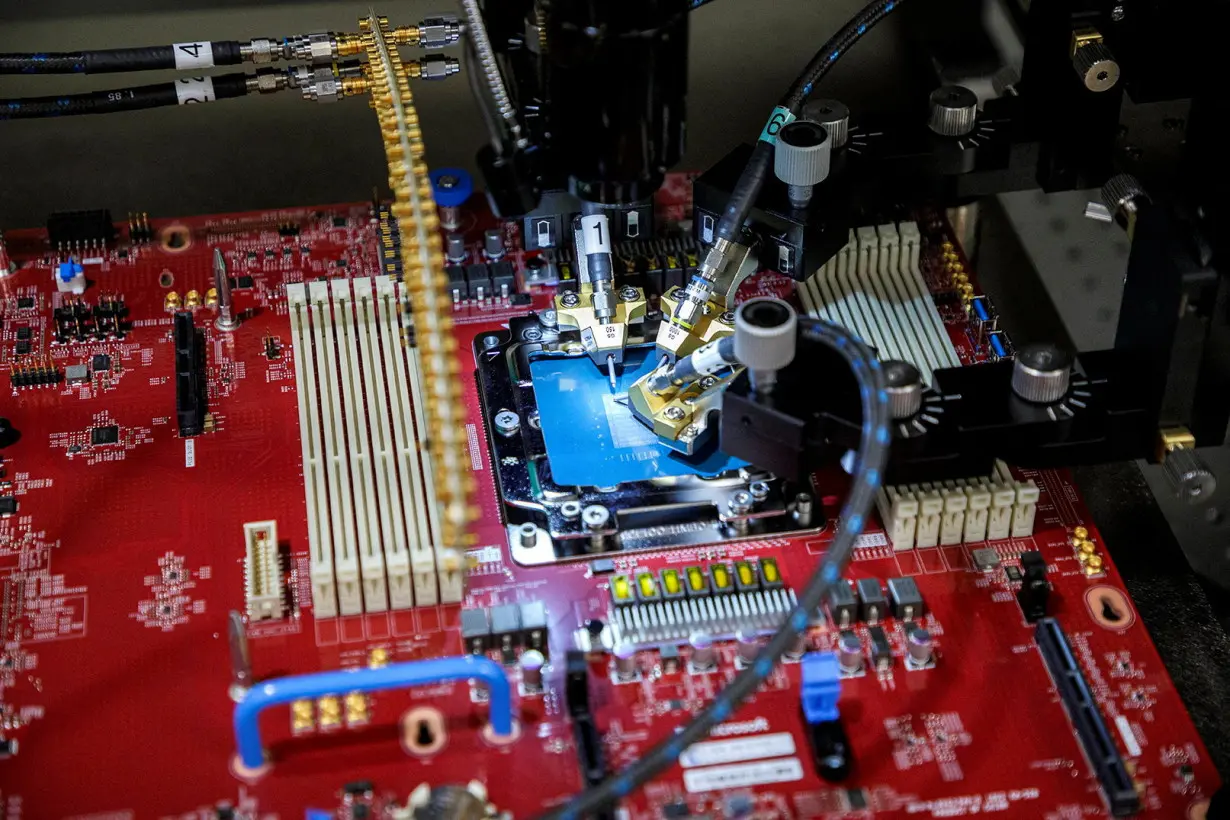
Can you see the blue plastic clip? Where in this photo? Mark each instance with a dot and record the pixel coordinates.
(451, 186)
(821, 686)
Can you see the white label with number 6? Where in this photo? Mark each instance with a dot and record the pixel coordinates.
(195, 90)
(596, 229)
(193, 55)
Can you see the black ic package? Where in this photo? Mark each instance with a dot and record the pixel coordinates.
(25, 302)
(24, 333)
(8, 505)
(23, 348)
(101, 363)
(109, 434)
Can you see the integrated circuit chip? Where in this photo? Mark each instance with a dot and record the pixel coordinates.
(591, 436)
(110, 434)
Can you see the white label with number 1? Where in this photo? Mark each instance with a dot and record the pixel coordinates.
(596, 229)
(193, 55)
(195, 90)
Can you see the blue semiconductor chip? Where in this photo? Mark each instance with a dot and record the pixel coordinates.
(594, 440)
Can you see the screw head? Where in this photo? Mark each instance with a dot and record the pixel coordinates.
(532, 334)
(759, 490)
(1117, 13)
(506, 422)
(595, 516)
(727, 318)
(674, 413)
(549, 317)
(570, 299)
(447, 181)
(570, 509)
(628, 293)
(741, 502)
(491, 341)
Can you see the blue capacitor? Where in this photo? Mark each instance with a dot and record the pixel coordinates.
(451, 186)
(997, 345)
(981, 308)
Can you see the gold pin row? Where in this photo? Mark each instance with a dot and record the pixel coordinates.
(190, 301)
(425, 282)
(329, 712)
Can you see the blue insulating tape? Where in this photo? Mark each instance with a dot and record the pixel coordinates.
(457, 195)
(395, 676)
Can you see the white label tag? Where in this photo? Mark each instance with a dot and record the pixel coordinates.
(193, 55)
(741, 775)
(1129, 737)
(189, 452)
(710, 752)
(596, 228)
(195, 90)
(871, 539)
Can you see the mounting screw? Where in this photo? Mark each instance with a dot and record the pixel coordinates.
(548, 318)
(491, 341)
(727, 318)
(674, 413)
(507, 422)
(741, 502)
(629, 293)
(527, 533)
(532, 334)
(759, 490)
(595, 516)
(570, 299)
(570, 509)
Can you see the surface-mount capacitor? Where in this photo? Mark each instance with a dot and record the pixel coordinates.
(625, 662)
(493, 244)
(704, 653)
(921, 647)
(747, 644)
(532, 663)
(849, 652)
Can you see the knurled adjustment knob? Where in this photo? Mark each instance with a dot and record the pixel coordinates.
(801, 159)
(1096, 66)
(1189, 475)
(954, 110)
(1122, 192)
(834, 116)
(1041, 373)
(904, 386)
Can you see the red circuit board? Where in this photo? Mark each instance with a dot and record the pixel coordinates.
(122, 561)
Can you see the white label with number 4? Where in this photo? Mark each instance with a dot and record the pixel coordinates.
(193, 55)
(596, 229)
(191, 90)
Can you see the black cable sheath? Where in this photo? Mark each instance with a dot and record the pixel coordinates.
(873, 453)
(157, 95)
(111, 60)
(747, 189)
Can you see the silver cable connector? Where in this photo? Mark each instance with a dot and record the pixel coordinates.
(433, 67)
(700, 287)
(317, 84)
(317, 49)
(261, 51)
(267, 81)
(440, 31)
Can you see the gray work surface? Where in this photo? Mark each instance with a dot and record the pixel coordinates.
(264, 152)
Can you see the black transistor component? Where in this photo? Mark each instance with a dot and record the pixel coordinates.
(506, 629)
(22, 348)
(475, 630)
(906, 600)
(881, 649)
(80, 229)
(503, 279)
(601, 566)
(534, 625)
(478, 281)
(843, 609)
(872, 603)
(457, 286)
(24, 333)
(1035, 591)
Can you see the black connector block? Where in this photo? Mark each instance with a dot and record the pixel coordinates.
(190, 386)
(1095, 738)
(1035, 591)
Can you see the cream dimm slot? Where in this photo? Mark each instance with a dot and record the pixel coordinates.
(367, 524)
(332, 426)
(421, 505)
(373, 348)
(320, 540)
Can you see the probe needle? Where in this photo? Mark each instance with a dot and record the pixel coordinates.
(610, 369)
